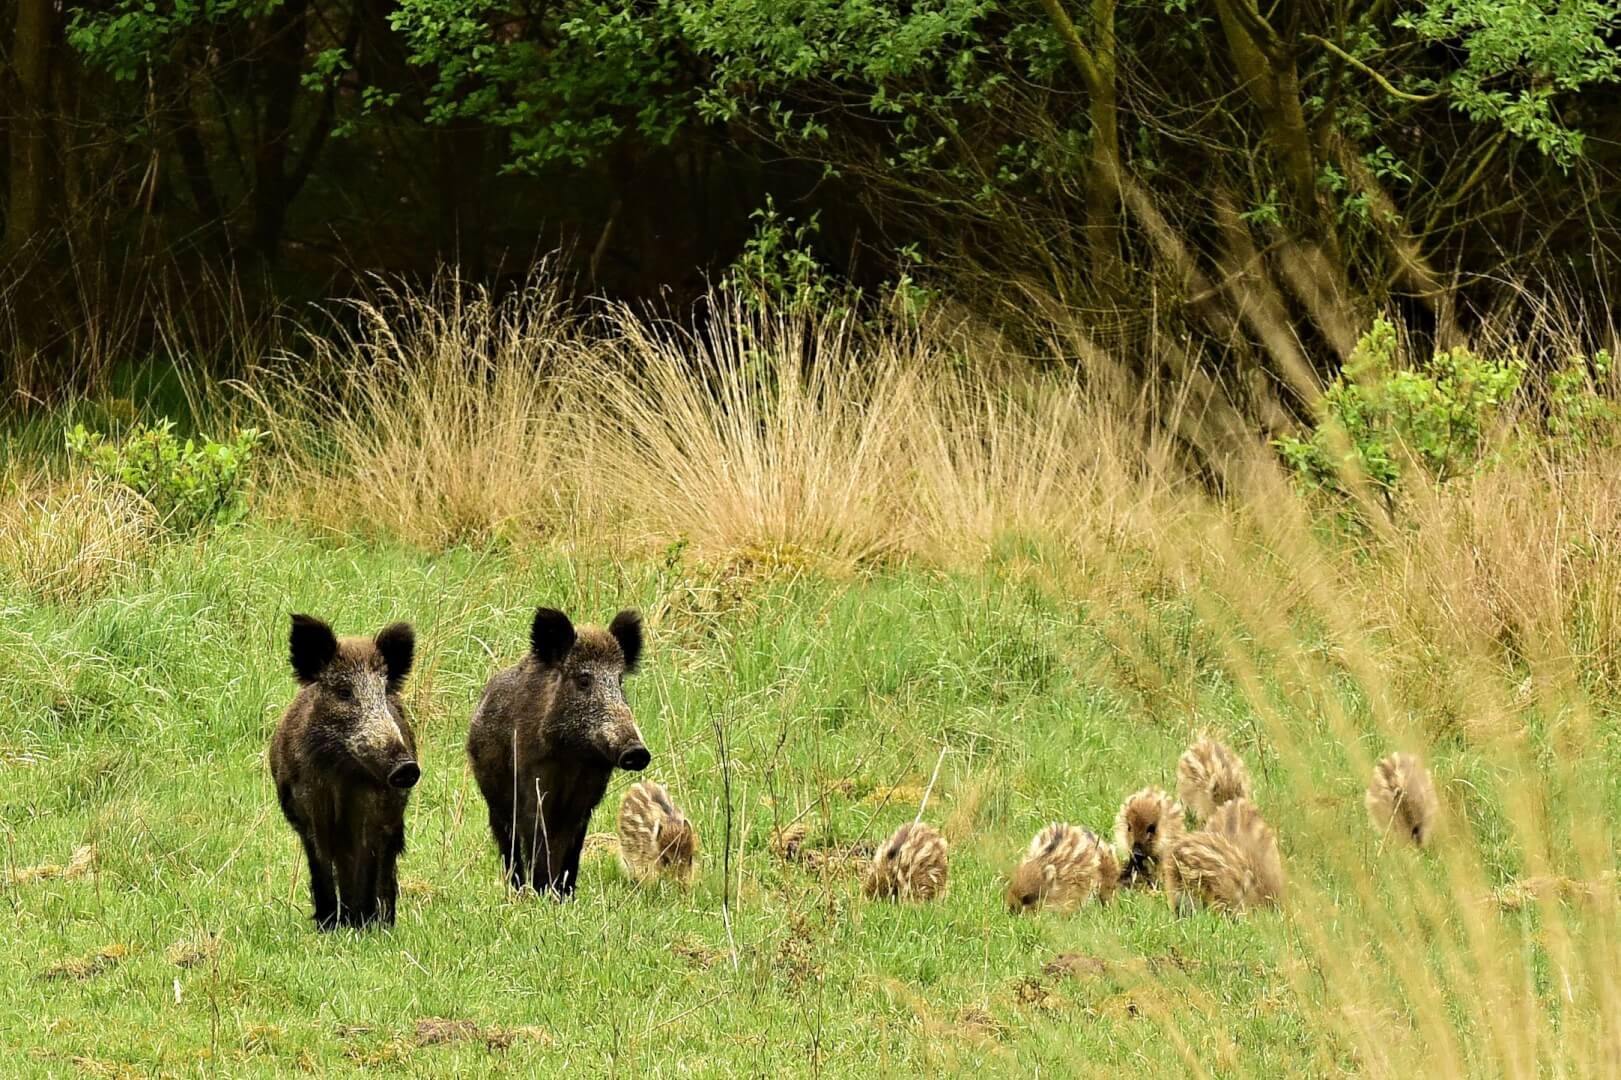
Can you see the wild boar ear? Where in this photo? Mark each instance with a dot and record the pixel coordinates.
(551, 636)
(627, 630)
(398, 644)
(312, 646)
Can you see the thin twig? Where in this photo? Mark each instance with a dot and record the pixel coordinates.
(545, 838)
(726, 842)
(1384, 83)
(879, 807)
(253, 830)
(828, 790)
(704, 1004)
(937, 763)
(517, 837)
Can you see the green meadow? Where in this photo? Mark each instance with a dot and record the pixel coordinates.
(138, 724)
(871, 594)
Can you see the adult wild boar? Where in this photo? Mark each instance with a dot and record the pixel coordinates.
(344, 761)
(545, 738)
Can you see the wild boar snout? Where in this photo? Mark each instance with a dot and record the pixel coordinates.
(375, 737)
(625, 748)
(619, 739)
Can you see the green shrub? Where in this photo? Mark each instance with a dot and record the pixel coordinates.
(191, 485)
(778, 271)
(1579, 414)
(1377, 420)
(778, 268)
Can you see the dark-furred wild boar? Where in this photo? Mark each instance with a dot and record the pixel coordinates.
(545, 738)
(344, 762)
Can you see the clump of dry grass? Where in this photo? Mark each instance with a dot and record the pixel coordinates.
(1518, 565)
(80, 863)
(449, 416)
(437, 419)
(86, 967)
(761, 433)
(434, 1031)
(1030, 455)
(185, 954)
(63, 540)
(1460, 624)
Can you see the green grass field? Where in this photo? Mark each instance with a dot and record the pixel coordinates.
(853, 572)
(137, 723)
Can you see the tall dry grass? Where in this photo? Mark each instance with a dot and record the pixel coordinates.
(762, 435)
(436, 417)
(451, 416)
(64, 538)
(1477, 628)
(1462, 636)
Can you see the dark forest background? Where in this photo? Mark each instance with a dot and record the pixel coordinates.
(1069, 173)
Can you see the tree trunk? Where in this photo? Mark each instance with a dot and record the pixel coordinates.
(30, 168)
(1103, 192)
(193, 155)
(1267, 67)
(286, 28)
(1096, 67)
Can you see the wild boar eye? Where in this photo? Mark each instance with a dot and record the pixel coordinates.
(343, 692)
(1151, 829)
(583, 680)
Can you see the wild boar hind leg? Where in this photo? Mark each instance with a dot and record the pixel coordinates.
(506, 845)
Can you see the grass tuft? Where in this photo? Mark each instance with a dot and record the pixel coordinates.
(64, 540)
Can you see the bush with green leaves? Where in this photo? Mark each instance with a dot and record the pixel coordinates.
(191, 484)
(778, 269)
(1378, 419)
(1580, 414)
